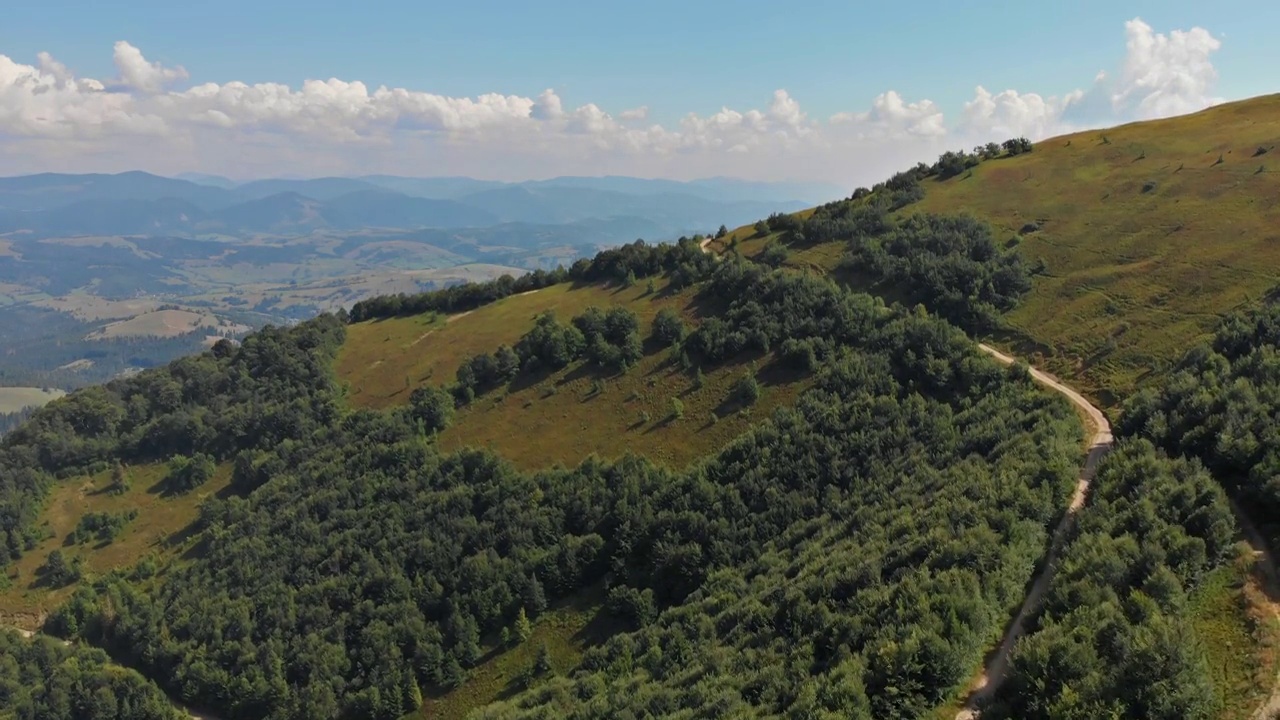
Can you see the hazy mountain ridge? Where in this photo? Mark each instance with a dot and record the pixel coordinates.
(137, 203)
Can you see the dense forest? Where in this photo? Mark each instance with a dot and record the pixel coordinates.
(1222, 405)
(1113, 638)
(43, 680)
(372, 567)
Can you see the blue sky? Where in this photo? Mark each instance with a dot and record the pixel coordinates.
(672, 57)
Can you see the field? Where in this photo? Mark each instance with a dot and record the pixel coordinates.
(564, 417)
(158, 530)
(13, 399)
(1150, 232)
(167, 323)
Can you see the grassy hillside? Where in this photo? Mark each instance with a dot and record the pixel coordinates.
(1150, 232)
(160, 531)
(563, 417)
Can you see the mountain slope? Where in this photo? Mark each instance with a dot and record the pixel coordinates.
(842, 500)
(1149, 232)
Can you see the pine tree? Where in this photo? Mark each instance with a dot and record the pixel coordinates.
(412, 699)
(452, 675)
(523, 628)
(542, 665)
(535, 597)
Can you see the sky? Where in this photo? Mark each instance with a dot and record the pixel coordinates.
(844, 92)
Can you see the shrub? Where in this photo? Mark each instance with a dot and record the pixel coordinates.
(774, 255)
(668, 327)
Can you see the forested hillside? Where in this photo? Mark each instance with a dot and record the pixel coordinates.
(857, 505)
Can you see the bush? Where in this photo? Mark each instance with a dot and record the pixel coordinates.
(188, 473)
(432, 407)
(747, 389)
(668, 327)
(774, 255)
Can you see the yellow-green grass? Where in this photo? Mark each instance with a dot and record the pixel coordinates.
(159, 528)
(1239, 632)
(538, 421)
(1147, 236)
(1137, 273)
(384, 360)
(567, 631)
(13, 399)
(560, 419)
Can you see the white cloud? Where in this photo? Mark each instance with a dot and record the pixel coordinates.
(138, 74)
(1166, 74)
(149, 117)
(1013, 114)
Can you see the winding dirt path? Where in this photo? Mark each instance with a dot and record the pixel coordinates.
(998, 661)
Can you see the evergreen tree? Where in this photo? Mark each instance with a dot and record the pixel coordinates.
(542, 665)
(535, 597)
(522, 629)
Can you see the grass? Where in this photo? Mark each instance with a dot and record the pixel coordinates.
(561, 420)
(1134, 278)
(13, 399)
(564, 417)
(567, 630)
(383, 360)
(161, 527)
(1239, 632)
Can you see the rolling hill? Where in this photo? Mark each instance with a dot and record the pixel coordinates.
(772, 475)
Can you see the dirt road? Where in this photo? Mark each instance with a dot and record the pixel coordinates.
(998, 662)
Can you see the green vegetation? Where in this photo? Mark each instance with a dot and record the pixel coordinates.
(1115, 637)
(1220, 405)
(42, 679)
(441, 551)
(831, 505)
(100, 526)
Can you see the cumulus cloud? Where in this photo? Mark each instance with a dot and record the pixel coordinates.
(150, 116)
(138, 74)
(1166, 74)
(1011, 114)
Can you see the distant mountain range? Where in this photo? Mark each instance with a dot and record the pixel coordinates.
(138, 203)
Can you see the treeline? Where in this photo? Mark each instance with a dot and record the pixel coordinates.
(862, 548)
(606, 338)
(40, 679)
(1113, 638)
(683, 261)
(1221, 404)
(272, 388)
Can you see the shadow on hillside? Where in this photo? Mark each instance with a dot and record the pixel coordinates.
(586, 370)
